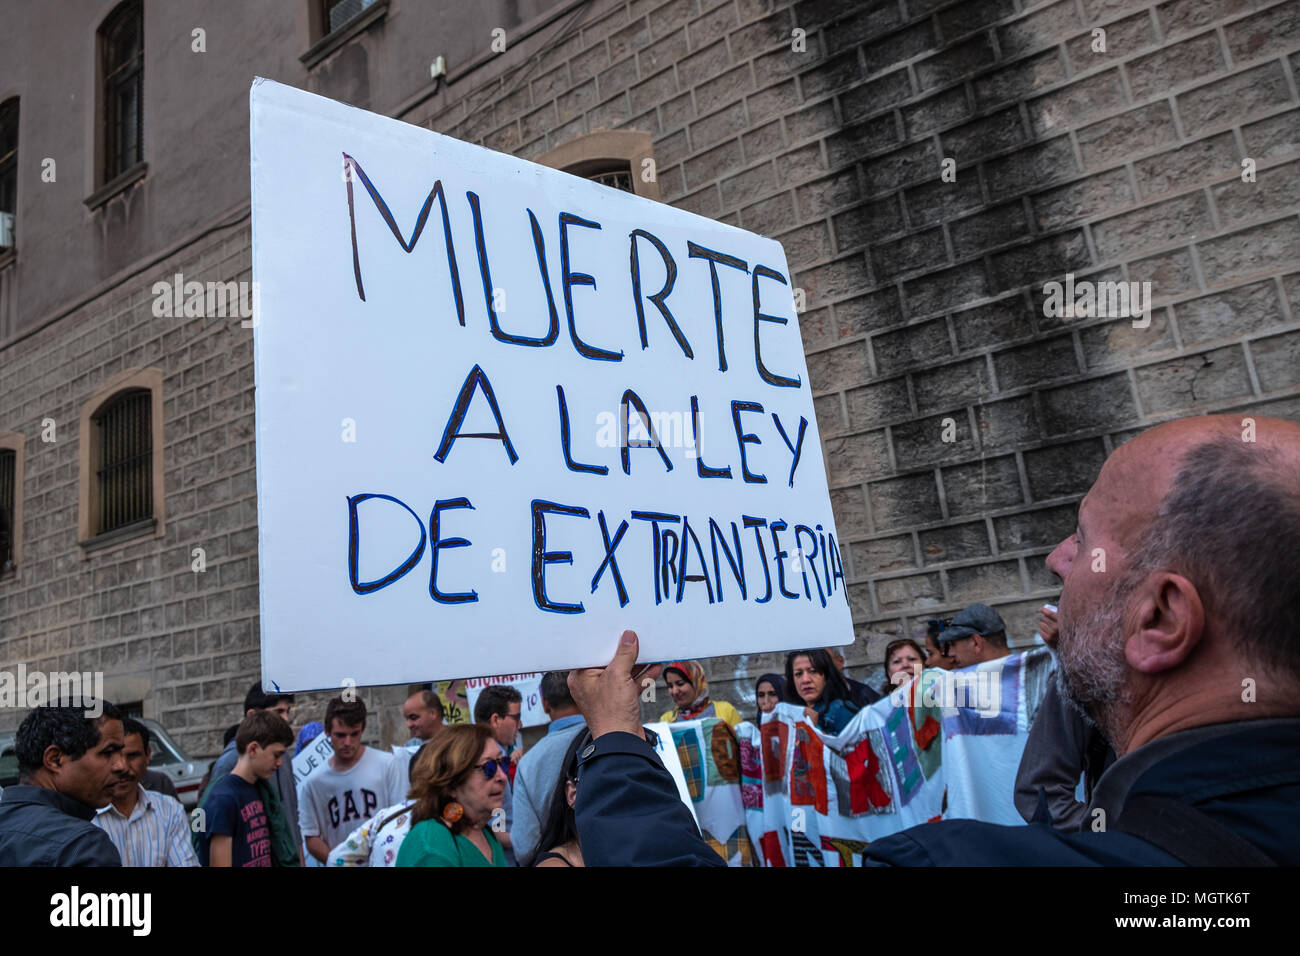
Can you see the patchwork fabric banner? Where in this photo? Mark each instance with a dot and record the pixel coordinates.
(946, 746)
(708, 775)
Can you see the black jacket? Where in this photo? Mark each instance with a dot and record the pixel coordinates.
(40, 827)
(629, 812)
(1243, 776)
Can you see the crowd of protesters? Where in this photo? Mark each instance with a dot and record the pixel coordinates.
(1147, 712)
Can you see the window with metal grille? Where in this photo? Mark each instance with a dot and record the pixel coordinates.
(8, 171)
(122, 62)
(8, 460)
(125, 474)
(617, 178)
(339, 12)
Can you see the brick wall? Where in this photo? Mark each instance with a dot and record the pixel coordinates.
(924, 297)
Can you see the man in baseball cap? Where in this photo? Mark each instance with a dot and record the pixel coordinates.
(977, 633)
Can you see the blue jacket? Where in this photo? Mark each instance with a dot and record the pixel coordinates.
(1242, 775)
(629, 812)
(40, 827)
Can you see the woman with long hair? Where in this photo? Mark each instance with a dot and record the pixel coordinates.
(689, 689)
(557, 844)
(813, 680)
(459, 782)
(904, 659)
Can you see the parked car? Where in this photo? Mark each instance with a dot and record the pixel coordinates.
(167, 758)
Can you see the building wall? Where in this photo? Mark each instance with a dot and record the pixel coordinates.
(924, 297)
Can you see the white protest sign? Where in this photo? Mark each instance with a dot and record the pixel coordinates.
(530, 690)
(311, 758)
(504, 413)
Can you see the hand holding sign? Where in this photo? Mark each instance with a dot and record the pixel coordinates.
(609, 697)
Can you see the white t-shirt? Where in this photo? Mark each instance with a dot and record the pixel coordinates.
(331, 804)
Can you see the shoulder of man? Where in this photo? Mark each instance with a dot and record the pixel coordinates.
(87, 845)
(972, 843)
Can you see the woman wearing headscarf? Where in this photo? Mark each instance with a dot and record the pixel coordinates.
(813, 681)
(689, 689)
(769, 690)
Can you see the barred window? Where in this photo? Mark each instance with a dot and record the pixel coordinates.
(8, 480)
(124, 439)
(121, 41)
(339, 12)
(8, 171)
(617, 178)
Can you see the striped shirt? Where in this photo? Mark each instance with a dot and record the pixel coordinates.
(156, 834)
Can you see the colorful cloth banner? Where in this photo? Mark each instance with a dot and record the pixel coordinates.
(945, 746)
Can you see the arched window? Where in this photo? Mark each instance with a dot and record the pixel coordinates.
(623, 159)
(121, 459)
(121, 64)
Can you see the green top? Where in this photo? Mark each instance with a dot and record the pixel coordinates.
(430, 843)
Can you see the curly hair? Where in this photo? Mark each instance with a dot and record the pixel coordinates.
(445, 764)
(67, 728)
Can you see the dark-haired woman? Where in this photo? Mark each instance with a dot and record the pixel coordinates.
(461, 780)
(557, 844)
(811, 679)
(769, 690)
(904, 660)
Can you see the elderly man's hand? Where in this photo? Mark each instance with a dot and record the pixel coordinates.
(1048, 626)
(607, 696)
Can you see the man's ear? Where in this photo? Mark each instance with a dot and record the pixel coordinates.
(1169, 625)
(52, 759)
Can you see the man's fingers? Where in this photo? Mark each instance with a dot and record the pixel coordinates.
(620, 668)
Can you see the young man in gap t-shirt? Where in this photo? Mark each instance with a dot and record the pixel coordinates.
(236, 829)
(338, 797)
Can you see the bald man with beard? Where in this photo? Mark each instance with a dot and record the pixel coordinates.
(1178, 618)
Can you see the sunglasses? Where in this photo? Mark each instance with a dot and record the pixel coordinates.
(492, 766)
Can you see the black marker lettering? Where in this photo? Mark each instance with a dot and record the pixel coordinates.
(475, 379)
(658, 298)
(772, 379)
(715, 259)
(438, 542)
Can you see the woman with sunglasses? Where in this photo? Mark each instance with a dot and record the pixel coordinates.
(558, 843)
(460, 782)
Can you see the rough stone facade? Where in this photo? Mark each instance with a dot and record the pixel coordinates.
(924, 297)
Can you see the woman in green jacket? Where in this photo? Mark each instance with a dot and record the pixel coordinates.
(458, 783)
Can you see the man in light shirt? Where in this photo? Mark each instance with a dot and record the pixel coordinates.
(148, 828)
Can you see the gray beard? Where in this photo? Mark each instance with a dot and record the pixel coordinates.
(1092, 673)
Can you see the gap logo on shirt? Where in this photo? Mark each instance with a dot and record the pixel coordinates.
(369, 804)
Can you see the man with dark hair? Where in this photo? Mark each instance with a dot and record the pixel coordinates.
(68, 765)
(237, 828)
(975, 634)
(540, 767)
(348, 789)
(1181, 589)
(148, 828)
(500, 706)
(282, 805)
